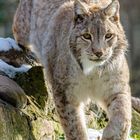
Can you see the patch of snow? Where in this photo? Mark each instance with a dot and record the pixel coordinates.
(97, 134)
(11, 70)
(8, 43)
(94, 134)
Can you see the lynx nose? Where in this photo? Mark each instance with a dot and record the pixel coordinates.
(98, 53)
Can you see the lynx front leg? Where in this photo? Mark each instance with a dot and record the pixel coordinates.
(71, 117)
(119, 112)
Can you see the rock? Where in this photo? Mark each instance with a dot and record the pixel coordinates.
(13, 124)
(12, 93)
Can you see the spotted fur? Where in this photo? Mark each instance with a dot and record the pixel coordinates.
(82, 46)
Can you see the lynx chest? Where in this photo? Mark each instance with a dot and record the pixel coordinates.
(93, 86)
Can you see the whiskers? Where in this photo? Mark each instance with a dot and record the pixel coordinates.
(115, 60)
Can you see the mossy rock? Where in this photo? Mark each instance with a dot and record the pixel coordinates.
(135, 123)
(13, 124)
(40, 108)
(34, 85)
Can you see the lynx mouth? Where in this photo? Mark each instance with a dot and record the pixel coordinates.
(96, 60)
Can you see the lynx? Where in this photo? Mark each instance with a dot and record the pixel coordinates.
(82, 46)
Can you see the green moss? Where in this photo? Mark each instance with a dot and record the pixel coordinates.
(40, 108)
(34, 85)
(136, 124)
(13, 124)
(136, 137)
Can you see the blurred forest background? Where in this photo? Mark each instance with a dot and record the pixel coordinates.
(130, 17)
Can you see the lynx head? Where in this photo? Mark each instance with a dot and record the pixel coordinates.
(97, 37)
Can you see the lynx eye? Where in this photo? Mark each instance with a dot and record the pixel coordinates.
(87, 36)
(108, 36)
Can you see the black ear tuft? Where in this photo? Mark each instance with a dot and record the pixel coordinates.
(80, 10)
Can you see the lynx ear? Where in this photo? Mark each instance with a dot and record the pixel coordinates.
(80, 10)
(113, 9)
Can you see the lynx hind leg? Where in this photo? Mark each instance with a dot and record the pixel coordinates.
(71, 118)
(21, 22)
(119, 113)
